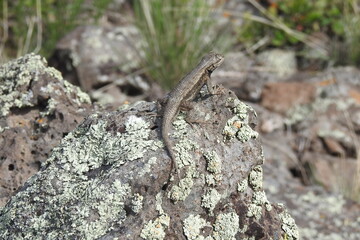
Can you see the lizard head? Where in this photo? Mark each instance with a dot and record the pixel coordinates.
(212, 60)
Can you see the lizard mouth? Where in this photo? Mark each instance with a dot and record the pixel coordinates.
(216, 65)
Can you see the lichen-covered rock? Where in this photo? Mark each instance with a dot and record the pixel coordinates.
(37, 108)
(108, 179)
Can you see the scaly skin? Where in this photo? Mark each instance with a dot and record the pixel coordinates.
(186, 90)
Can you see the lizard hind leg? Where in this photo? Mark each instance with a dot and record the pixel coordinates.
(187, 105)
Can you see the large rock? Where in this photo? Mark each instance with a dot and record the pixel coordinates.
(37, 109)
(109, 179)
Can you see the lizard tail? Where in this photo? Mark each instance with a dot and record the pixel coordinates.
(168, 146)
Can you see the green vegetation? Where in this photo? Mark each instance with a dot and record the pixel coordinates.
(177, 34)
(297, 22)
(36, 25)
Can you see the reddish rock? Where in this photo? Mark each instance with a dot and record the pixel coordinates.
(282, 96)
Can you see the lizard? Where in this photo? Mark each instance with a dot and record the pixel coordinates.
(185, 91)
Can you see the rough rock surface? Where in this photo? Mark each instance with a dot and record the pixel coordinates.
(37, 108)
(109, 179)
(104, 62)
(319, 214)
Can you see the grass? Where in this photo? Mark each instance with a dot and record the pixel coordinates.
(351, 46)
(176, 35)
(37, 25)
(295, 23)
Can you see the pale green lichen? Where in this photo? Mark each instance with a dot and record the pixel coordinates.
(256, 178)
(288, 225)
(184, 152)
(155, 230)
(254, 211)
(298, 113)
(81, 96)
(183, 189)
(226, 226)
(109, 206)
(214, 167)
(137, 203)
(78, 157)
(258, 201)
(193, 225)
(184, 156)
(210, 180)
(213, 162)
(238, 125)
(240, 109)
(245, 133)
(259, 198)
(242, 186)
(210, 199)
(184, 147)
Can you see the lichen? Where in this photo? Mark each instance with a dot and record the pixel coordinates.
(288, 225)
(155, 230)
(258, 202)
(81, 96)
(214, 167)
(256, 178)
(245, 133)
(108, 202)
(210, 180)
(183, 189)
(2, 129)
(259, 198)
(213, 162)
(137, 203)
(238, 125)
(184, 152)
(226, 226)
(254, 211)
(184, 156)
(242, 185)
(193, 225)
(79, 156)
(210, 199)
(183, 147)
